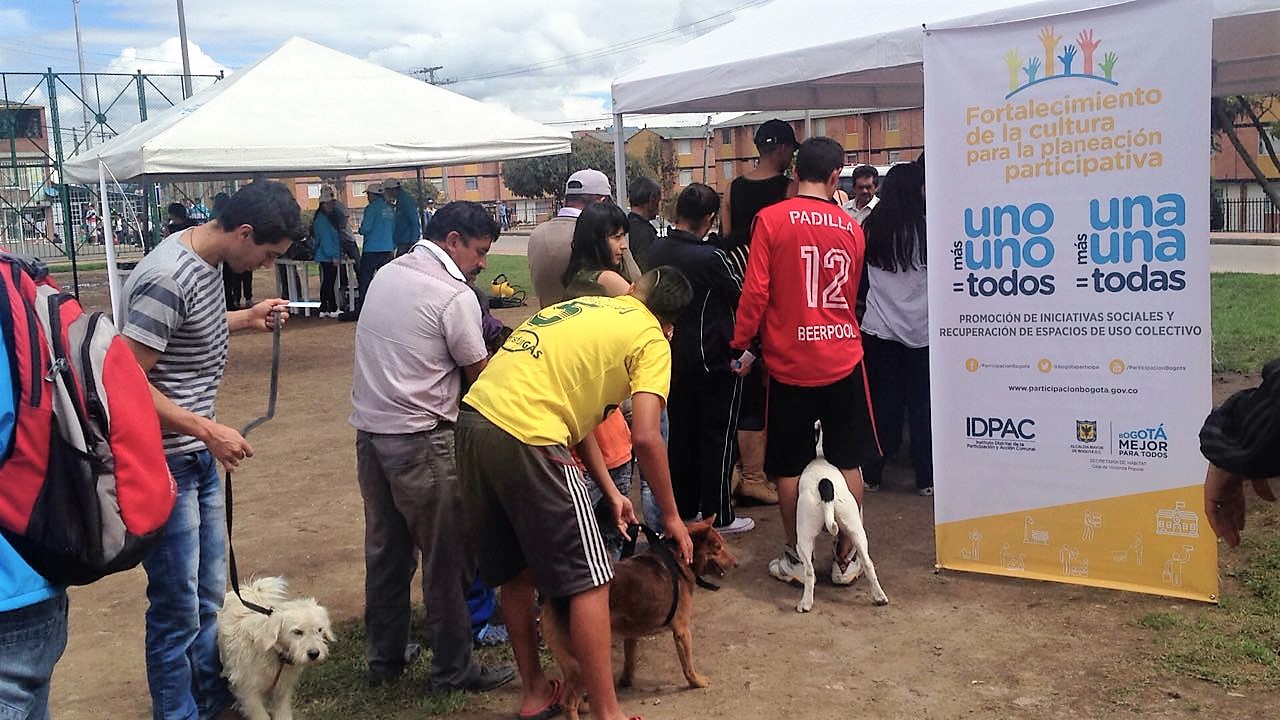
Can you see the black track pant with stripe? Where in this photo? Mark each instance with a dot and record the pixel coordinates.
(703, 412)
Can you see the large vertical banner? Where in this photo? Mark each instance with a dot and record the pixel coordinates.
(1069, 295)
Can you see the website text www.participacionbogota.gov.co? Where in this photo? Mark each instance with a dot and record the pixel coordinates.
(1086, 389)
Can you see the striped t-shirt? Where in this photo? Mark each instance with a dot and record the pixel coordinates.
(175, 305)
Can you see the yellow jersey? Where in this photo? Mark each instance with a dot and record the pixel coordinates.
(555, 377)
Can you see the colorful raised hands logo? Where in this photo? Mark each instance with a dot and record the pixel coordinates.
(1059, 63)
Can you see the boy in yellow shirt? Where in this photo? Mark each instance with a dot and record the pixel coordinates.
(551, 383)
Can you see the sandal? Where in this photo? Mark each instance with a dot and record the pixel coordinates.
(552, 708)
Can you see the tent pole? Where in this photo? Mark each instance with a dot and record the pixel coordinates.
(619, 161)
(108, 236)
(808, 124)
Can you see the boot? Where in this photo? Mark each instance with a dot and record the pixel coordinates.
(754, 487)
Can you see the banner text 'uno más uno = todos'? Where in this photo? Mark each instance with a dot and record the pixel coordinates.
(1067, 184)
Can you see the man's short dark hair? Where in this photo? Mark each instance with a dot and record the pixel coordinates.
(469, 219)
(666, 292)
(177, 209)
(696, 202)
(866, 171)
(818, 158)
(269, 208)
(643, 190)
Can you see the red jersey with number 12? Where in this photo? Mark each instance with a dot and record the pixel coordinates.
(800, 291)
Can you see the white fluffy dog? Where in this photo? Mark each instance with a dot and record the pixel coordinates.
(826, 503)
(263, 655)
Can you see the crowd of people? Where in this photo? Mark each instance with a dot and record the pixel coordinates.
(496, 458)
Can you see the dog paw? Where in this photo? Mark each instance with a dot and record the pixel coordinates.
(804, 607)
(625, 681)
(883, 600)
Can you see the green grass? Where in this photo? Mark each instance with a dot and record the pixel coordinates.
(1238, 642)
(336, 689)
(1246, 321)
(515, 267)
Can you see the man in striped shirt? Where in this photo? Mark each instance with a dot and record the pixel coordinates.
(177, 324)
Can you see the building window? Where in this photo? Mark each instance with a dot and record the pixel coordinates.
(726, 170)
(891, 121)
(473, 183)
(686, 177)
(820, 128)
(1262, 146)
(313, 191)
(851, 158)
(893, 156)
(358, 188)
(684, 147)
(726, 136)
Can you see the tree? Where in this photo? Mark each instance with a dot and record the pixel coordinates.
(662, 167)
(546, 176)
(1226, 112)
(422, 191)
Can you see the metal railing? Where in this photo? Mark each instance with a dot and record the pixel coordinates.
(1250, 215)
(47, 118)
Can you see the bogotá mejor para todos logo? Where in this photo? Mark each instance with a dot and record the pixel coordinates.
(1075, 61)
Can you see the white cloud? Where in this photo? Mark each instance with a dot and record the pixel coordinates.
(13, 22)
(471, 39)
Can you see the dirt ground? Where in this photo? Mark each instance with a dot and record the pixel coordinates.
(949, 645)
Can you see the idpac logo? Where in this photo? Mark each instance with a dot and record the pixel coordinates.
(1152, 442)
(1075, 61)
(1087, 431)
(1000, 428)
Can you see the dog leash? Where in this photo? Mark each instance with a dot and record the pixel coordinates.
(230, 501)
(662, 549)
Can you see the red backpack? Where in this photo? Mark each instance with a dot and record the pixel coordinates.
(84, 488)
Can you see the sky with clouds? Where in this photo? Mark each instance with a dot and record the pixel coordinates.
(549, 60)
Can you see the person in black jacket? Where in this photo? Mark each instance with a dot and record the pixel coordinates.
(705, 392)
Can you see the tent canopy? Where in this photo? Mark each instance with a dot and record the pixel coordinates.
(819, 54)
(306, 109)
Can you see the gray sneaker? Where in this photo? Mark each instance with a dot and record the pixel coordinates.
(491, 677)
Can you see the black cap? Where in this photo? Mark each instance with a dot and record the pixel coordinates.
(775, 132)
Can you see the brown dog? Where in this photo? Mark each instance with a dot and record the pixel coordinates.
(640, 605)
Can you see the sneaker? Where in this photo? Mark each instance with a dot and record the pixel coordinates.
(787, 567)
(741, 525)
(348, 316)
(844, 572)
(870, 486)
(492, 635)
(926, 491)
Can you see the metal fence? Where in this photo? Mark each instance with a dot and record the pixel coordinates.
(48, 117)
(1250, 215)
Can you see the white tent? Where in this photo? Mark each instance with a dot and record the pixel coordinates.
(307, 109)
(812, 54)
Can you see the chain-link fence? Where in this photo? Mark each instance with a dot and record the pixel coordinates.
(48, 117)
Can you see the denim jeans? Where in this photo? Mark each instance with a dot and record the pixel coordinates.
(32, 639)
(186, 580)
(621, 477)
(650, 512)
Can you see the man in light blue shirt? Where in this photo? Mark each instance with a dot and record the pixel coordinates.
(33, 613)
(378, 230)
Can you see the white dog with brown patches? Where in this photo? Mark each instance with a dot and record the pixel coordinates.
(825, 503)
(263, 655)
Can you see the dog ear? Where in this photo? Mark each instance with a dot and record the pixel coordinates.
(701, 525)
(269, 637)
(326, 630)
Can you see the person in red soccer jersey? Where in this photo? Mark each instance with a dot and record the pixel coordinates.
(799, 298)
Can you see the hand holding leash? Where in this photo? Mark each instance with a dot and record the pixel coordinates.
(1224, 502)
(624, 515)
(742, 366)
(677, 533)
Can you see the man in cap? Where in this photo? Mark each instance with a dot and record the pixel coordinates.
(408, 228)
(378, 230)
(550, 242)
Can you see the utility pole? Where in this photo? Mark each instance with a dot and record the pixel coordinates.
(430, 72)
(186, 59)
(706, 145)
(84, 89)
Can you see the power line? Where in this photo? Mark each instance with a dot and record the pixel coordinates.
(608, 50)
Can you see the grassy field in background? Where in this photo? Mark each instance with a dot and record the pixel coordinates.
(1246, 321)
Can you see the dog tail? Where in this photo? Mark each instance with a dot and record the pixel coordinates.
(827, 492)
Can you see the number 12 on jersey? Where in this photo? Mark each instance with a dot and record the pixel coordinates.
(833, 294)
